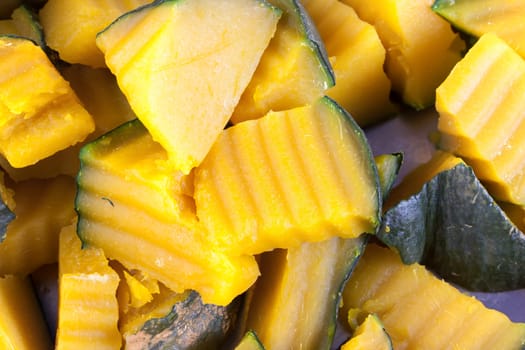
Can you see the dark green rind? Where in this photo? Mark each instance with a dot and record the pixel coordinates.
(455, 228)
(298, 17)
(6, 216)
(190, 325)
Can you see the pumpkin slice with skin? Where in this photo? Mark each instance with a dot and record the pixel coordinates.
(140, 211)
(39, 112)
(294, 69)
(43, 208)
(71, 26)
(7, 206)
(369, 335)
(481, 116)
(183, 66)
(286, 178)
(452, 225)
(179, 321)
(22, 324)
(415, 65)
(301, 281)
(362, 87)
(87, 304)
(421, 311)
(505, 18)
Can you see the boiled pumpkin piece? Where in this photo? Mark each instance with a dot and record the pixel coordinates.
(362, 87)
(505, 18)
(289, 177)
(188, 324)
(71, 26)
(43, 208)
(99, 93)
(421, 311)
(183, 66)
(301, 281)
(22, 324)
(421, 47)
(294, 70)
(369, 335)
(481, 116)
(140, 211)
(87, 303)
(39, 112)
(452, 225)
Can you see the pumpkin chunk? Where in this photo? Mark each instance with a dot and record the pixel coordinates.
(415, 64)
(183, 66)
(22, 324)
(87, 303)
(369, 335)
(362, 87)
(421, 311)
(505, 18)
(482, 118)
(39, 112)
(43, 208)
(71, 26)
(305, 174)
(294, 69)
(139, 210)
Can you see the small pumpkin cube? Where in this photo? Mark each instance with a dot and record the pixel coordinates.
(39, 112)
(304, 174)
(87, 304)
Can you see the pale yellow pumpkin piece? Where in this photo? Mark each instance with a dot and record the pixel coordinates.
(183, 66)
(87, 304)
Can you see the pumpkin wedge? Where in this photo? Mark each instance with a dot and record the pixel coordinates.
(39, 112)
(43, 208)
(294, 70)
(87, 303)
(421, 311)
(305, 174)
(482, 119)
(505, 18)
(71, 26)
(133, 205)
(299, 282)
(451, 224)
(183, 66)
(369, 335)
(415, 65)
(22, 324)
(362, 87)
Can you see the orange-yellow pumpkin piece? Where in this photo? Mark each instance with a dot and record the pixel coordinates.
(305, 174)
(87, 304)
(482, 119)
(39, 112)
